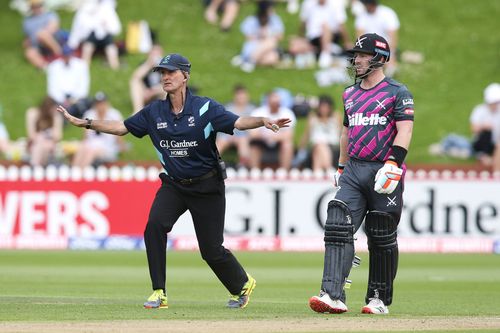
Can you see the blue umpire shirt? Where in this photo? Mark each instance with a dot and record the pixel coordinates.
(185, 143)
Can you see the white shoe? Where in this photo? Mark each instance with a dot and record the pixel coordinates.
(236, 61)
(376, 306)
(324, 304)
(247, 67)
(436, 149)
(325, 60)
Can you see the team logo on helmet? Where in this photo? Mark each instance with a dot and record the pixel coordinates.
(359, 41)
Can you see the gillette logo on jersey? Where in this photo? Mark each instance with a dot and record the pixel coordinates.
(358, 119)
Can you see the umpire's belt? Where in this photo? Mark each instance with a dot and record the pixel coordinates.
(194, 180)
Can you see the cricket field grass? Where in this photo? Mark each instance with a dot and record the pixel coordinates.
(103, 291)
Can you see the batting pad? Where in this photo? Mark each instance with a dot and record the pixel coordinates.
(381, 230)
(339, 249)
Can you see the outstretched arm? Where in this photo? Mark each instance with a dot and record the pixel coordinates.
(244, 123)
(116, 127)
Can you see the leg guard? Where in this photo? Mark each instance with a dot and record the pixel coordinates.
(381, 230)
(339, 249)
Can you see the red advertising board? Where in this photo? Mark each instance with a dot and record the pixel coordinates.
(75, 209)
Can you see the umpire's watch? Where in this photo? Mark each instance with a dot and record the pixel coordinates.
(89, 123)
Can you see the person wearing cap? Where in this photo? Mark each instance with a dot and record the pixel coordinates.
(97, 147)
(182, 128)
(378, 123)
(482, 121)
(68, 82)
(41, 29)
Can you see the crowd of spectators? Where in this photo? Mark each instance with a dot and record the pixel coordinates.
(97, 147)
(65, 57)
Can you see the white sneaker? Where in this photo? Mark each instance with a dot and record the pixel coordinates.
(324, 304)
(236, 61)
(325, 60)
(376, 306)
(247, 67)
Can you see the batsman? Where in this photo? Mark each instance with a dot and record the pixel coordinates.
(378, 123)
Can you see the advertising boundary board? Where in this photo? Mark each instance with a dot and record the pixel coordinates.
(273, 211)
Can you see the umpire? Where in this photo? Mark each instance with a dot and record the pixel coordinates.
(182, 129)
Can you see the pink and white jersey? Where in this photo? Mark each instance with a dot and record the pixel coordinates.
(371, 117)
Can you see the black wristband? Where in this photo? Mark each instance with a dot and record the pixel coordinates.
(341, 166)
(398, 154)
(89, 123)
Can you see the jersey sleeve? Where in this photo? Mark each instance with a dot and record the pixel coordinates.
(222, 120)
(138, 124)
(404, 106)
(345, 122)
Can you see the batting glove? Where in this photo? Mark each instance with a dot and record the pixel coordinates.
(387, 178)
(337, 175)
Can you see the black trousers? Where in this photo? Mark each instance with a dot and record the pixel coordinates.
(206, 201)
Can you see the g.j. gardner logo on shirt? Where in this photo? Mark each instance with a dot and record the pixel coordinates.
(172, 144)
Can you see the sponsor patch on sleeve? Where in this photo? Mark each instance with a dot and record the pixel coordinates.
(408, 111)
(408, 101)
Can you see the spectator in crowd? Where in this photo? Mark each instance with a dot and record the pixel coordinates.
(44, 126)
(482, 121)
(94, 26)
(4, 135)
(99, 147)
(229, 9)
(280, 143)
(41, 29)
(68, 82)
(240, 106)
(262, 31)
(382, 20)
(322, 23)
(322, 133)
(145, 84)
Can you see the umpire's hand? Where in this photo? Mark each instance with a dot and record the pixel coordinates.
(275, 125)
(71, 119)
